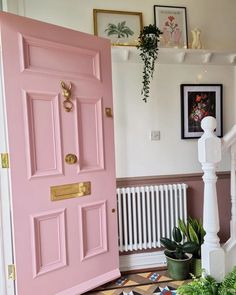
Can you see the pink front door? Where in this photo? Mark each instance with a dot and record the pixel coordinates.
(57, 85)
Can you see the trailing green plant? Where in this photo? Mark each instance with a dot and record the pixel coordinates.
(200, 286)
(228, 286)
(177, 249)
(194, 232)
(148, 43)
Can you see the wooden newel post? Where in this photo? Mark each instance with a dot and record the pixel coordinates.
(209, 155)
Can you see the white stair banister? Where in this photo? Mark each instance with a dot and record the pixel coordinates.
(229, 143)
(209, 155)
(233, 193)
(230, 245)
(229, 139)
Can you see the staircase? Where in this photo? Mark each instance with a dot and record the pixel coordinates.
(217, 259)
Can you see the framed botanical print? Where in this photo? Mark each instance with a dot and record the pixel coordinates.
(121, 27)
(172, 21)
(197, 102)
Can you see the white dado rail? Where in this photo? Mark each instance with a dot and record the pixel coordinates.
(216, 260)
(177, 56)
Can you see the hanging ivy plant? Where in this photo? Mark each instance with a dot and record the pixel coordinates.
(148, 45)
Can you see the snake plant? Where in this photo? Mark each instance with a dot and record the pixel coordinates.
(194, 232)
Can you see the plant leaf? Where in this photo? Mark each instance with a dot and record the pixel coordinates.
(193, 235)
(168, 244)
(190, 247)
(177, 236)
(183, 227)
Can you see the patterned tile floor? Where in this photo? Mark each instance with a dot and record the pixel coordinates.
(143, 283)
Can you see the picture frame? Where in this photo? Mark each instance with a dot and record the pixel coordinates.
(197, 102)
(121, 27)
(172, 21)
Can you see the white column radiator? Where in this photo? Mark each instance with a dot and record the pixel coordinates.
(147, 213)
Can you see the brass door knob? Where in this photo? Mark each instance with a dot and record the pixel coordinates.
(71, 159)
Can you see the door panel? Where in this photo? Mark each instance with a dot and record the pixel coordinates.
(93, 242)
(48, 251)
(91, 143)
(42, 123)
(42, 56)
(59, 243)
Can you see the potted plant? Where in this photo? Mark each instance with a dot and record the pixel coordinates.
(228, 286)
(194, 232)
(148, 42)
(206, 285)
(178, 262)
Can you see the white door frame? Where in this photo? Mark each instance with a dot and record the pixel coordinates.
(14, 6)
(7, 287)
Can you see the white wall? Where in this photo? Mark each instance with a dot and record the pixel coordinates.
(136, 155)
(216, 18)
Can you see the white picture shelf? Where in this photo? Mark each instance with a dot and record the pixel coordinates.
(177, 56)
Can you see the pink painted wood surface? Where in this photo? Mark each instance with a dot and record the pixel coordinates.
(68, 246)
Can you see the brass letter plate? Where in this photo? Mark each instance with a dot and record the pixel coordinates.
(68, 191)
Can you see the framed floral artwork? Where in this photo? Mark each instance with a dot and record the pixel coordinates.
(121, 27)
(172, 21)
(197, 102)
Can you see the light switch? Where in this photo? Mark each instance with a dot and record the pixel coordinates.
(155, 135)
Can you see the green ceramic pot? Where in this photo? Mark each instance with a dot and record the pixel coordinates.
(196, 267)
(178, 269)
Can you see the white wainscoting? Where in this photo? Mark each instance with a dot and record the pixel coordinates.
(142, 260)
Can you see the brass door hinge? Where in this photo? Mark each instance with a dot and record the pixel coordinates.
(11, 272)
(5, 160)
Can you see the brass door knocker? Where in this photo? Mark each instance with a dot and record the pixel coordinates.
(66, 91)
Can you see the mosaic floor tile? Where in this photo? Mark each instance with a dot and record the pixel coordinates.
(144, 283)
(130, 283)
(121, 281)
(164, 279)
(144, 288)
(145, 274)
(131, 293)
(154, 277)
(166, 290)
